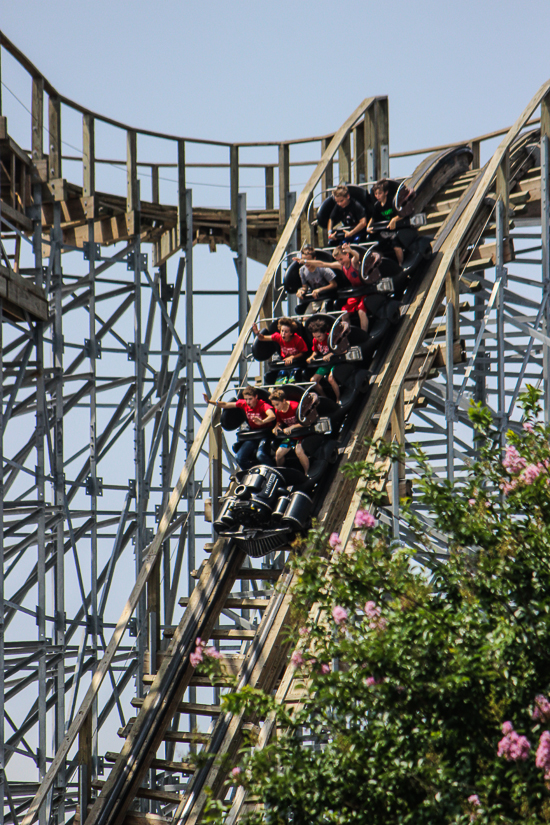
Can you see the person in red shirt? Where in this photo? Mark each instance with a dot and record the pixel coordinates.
(321, 349)
(286, 412)
(259, 416)
(293, 347)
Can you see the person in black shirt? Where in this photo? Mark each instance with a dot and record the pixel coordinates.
(384, 211)
(350, 213)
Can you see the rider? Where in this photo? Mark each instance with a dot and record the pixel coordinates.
(350, 213)
(321, 349)
(260, 416)
(318, 279)
(293, 347)
(384, 211)
(349, 261)
(286, 412)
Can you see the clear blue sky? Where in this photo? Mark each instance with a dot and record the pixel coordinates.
(262, 70)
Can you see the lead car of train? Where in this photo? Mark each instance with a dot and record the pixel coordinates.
(266, 506)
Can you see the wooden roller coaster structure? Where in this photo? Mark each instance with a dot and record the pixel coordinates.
(477, 327)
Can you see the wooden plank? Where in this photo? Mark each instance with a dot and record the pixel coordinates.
(181, 237)
(185, 707)
(360, 166)
(88, 156)
(54, 118)
(37, 109)
(146, 793)
(16, 217)
(132, 193)
(234, 194)
(383, 136)
(269, 187)
(344, 161)
(284, 183)
(241, 603)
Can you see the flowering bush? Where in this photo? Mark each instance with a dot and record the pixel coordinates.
(426, 685)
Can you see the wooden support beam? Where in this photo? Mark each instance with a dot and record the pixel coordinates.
(545, 116)
(88, 156)
(37, 108)
(155, 183)
(475, 146)
(305, 227)
(269, 187)
(359, 166)
(503, 185)
(284, 182)
(54, 118)
(215, 463)
(85, 762)
(132, 198)
(370, 144)
(182, 199)
(452, 292)
(327, 179)
(234, 195)
(344, 160)
(383, 136)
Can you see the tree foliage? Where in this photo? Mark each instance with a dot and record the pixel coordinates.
(425, 685)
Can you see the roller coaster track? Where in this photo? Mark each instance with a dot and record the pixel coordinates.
(471, 216)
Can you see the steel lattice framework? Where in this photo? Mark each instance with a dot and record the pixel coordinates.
(100, 376)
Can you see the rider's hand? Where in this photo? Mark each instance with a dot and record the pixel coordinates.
(289, 359)
(315, 294)
(393, 223)
(327, 357)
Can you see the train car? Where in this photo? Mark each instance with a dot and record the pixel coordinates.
(266, 506)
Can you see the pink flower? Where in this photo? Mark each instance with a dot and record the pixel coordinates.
(531, 473)
(527, 426)
(372, 681)
(297, 659)
(364, 519)
(334, 541)
(542, 708)
(236, 771)
(508, 486)
(212, 652)
(339, 614)
(542, 757)
(303, 631)
(379, 624)
(512, 461)
(512, 746)
(373, 612)
(325, 669)
(474, 800)
(196, 657)
(471, 501)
